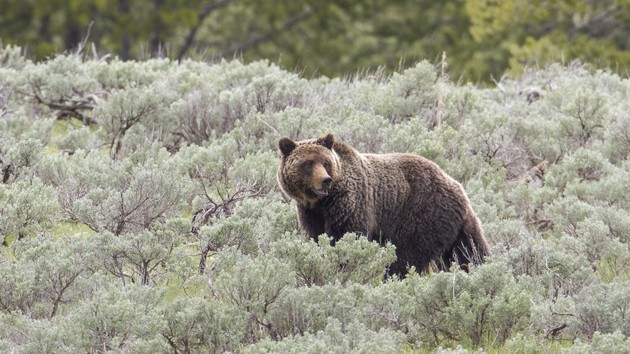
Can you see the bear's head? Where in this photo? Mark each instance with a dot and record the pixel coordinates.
(309, 168)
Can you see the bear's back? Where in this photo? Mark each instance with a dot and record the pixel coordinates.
(411, 186)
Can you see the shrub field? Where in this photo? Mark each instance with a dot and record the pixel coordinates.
(139, 210)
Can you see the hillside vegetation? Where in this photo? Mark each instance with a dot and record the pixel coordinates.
(483, 39)
(139, 210)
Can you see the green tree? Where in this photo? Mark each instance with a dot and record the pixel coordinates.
(516, 33)
(481, 38)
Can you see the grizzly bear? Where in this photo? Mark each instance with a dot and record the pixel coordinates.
(399, 198)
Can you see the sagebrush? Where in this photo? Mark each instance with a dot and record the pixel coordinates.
(139, 210)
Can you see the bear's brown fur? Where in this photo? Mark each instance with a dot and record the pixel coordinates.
(401, 198)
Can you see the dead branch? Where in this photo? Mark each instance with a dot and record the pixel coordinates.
(69, 107)
(213, 210)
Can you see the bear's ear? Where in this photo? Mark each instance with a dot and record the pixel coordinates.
(286, 146)
(327, 141)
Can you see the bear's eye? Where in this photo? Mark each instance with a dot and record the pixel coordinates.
(326, 165)
(307, 165)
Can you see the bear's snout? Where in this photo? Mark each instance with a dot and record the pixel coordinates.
(322, 185)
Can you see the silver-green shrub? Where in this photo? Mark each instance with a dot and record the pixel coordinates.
(139, 210)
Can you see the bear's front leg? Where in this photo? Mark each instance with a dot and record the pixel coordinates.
(340, 224)
(312, 222)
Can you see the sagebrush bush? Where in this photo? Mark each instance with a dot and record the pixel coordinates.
(139, 210)
(194, 324)
(335, 338)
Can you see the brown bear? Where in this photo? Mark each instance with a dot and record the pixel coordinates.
(399, 198)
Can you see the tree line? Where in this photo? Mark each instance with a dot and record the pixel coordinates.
(482, 39)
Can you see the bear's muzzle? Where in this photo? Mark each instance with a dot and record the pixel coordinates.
(325, 187)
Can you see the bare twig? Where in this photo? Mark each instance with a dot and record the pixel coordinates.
(85, 39)
(215, 210)
(439, 110)
(269, 125)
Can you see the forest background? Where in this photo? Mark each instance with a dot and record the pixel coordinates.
(139, 210)
(482, 39)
